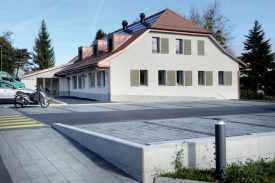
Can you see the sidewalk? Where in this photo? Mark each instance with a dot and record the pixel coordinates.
(43, 155)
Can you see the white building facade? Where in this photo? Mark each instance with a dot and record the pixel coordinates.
(162, 57)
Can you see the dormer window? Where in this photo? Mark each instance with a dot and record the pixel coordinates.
(95, 50)
(110, 45)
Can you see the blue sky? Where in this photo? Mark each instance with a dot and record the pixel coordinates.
(73, 23)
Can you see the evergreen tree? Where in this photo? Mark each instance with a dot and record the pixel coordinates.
(258, 57)
(43, 55)
(7, 52)
(100, 34)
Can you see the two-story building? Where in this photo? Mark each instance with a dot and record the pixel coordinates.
(163, 56)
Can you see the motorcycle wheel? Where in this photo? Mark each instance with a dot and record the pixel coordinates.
(16, 103)
(44, 102)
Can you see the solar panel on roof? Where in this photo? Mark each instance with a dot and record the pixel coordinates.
(138, 26)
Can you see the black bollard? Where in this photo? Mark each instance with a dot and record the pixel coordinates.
(220, 147)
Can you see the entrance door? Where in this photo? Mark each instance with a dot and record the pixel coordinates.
(69, 87)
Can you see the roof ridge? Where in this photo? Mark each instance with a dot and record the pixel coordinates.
(163, 12)
(181, 16)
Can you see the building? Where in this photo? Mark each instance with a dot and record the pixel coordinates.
(45, 78)
(163, 56)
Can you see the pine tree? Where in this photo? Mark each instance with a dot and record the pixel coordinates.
(100, 34)
(44, 53)
(258, 58)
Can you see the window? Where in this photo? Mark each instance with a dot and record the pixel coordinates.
(179, 48)
(101, 79)
(162, 77)
(201, 77)
(225, 78)
(92, 79)
(200, 47)
(221, 78)
(6, 85)
(81, 81)
(139, 77)
(155, 44)
(180, 78)
(74, 82)
(143, 75)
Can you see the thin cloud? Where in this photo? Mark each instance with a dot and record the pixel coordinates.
(97, 13)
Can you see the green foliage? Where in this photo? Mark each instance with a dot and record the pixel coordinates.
(100, 34)
(259, 73)
(13, 59)
(43, 56)
(248, 172)
(251, 172)
(179, 160)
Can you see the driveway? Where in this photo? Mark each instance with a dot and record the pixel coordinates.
(113, 112)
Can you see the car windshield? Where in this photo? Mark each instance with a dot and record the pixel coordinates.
(7, 85)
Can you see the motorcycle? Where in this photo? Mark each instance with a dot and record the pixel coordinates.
(22, 99)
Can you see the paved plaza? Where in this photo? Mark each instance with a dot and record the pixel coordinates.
(31, 151)
(157, 131)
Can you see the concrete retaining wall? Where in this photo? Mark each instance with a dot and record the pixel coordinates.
(125, 155)
(143, 162)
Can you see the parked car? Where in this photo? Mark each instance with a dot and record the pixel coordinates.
(8, 91)
(4, 76)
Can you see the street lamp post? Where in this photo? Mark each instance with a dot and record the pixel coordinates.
(1, 56)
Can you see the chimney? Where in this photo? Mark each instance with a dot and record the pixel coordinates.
(84, 52)
(142, 18)
(124, 25)
(99, 46)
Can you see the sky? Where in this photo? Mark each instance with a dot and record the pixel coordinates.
(73, 23)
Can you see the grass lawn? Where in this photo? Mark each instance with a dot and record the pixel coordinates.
(249, 172)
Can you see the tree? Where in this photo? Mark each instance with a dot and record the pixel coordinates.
(258, 57)
(21, 61)
(7, 51)
(14, 59)
(43, 55)
(212, 20)
(100, 34)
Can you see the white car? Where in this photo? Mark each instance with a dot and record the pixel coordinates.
(8, 90)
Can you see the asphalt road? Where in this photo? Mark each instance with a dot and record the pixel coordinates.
(113, 116)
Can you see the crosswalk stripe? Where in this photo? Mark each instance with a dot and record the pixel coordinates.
(14, 121)
(21, 126)
(17, 115)
(17, 121)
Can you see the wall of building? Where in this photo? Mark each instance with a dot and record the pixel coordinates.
(96, 93)
(30, 81)
(140, 57)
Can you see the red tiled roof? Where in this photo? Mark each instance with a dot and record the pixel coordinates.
(93, 61)
(170, 20)
(165, 20)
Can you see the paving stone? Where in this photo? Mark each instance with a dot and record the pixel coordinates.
(43, 155)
